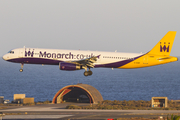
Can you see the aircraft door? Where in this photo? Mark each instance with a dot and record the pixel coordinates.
(21, 53)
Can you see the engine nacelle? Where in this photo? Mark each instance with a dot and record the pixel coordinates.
(68, 66)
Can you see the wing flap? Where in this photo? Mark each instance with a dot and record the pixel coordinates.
(88, 62)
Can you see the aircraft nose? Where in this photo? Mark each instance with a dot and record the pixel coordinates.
(5, 57)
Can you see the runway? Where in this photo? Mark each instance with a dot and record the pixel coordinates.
(58, 112)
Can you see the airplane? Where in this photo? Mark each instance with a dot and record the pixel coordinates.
(76, 59)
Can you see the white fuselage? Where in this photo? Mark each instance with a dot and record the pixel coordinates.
(78, 59)
(54, 56)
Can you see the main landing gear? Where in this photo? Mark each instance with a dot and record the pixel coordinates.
(21, 70)
(88, 73)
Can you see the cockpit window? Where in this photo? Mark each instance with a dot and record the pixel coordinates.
(12, 52)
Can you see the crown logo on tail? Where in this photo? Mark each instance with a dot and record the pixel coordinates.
(164, 48)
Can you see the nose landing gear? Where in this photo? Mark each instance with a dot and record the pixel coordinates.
(21, 70)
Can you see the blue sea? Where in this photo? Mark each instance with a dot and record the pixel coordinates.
(42, 82)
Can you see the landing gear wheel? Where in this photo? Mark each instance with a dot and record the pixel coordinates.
(22, 64)
(90, 72)
(86, 73)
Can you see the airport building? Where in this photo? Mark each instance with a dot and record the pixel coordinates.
(1, 99)
(82, 93)
(21, 98)
(18, 98)
(159, 102)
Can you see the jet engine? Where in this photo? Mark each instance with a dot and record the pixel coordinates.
(69, 66)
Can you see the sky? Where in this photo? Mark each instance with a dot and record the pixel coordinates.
(133, 26)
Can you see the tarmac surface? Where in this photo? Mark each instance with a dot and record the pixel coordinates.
(58, 112)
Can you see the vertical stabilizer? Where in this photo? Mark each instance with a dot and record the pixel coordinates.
(164, 46)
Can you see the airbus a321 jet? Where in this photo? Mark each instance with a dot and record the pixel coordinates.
(76, 59)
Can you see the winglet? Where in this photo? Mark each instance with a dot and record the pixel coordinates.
(164, 46)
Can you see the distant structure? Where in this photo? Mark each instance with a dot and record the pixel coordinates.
(1, 99)
(6, 101)
(82, 93)
(18, 98)
(21, 98)
(28, 100)
(159, 102)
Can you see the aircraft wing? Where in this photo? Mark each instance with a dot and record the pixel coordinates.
(89, 62)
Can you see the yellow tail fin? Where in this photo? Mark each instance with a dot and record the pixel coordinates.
(164, 46)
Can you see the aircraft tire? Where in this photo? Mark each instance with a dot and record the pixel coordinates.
(86, 73)
(90, 72)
